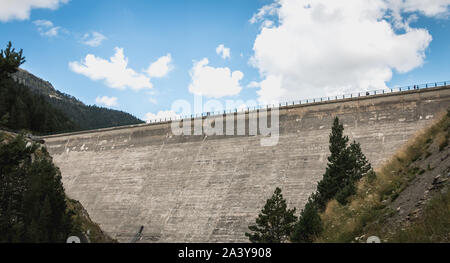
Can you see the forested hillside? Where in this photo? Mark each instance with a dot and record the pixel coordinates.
(21, 109)
(85, 117)
(32, 104)
(33, 205)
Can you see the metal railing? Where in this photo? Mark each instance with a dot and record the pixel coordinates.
(310, 101)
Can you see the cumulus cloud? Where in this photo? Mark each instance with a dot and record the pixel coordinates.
(253, 84)
(46, 28)
(223, 51)
(107, 101)
(214, 82)
(20, 9)
(326, 47)
(115, 72)
(161, 67)
(161, 115)
(428, 8)
(93, 39)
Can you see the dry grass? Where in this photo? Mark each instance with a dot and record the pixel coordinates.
(368, 209)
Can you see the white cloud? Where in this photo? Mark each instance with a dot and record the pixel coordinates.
(114, 72)
(153, 100)
(20, 9)
(223, 51)
(253, 84)
(428, 7)
(214, 82)
(46, 28)
(43, 23)
(107, 101)
(161, 67)
(161, 115)
(263, 12)
(93, 39)
(325, 47)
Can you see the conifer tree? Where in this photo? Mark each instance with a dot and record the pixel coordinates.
(360, 167)
(32, 198)
(339, 164)
(309, 224)
(275, 222)
(10, 60)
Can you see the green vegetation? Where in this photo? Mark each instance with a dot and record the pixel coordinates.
(88, 117)
(44, 110)
(275, 222)
(368, 210)
(32, 203)
(82, 222)
(20, 109)
(346, 166)
(309, 225)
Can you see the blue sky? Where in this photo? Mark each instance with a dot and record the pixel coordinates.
(283, 50)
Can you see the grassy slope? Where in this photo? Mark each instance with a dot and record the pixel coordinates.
(372, 210)
(84, 222)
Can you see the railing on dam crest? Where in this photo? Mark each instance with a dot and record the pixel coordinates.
(310, 101)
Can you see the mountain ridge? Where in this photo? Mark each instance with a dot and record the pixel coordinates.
(85, 117)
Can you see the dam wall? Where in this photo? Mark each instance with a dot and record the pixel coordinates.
(210, 188)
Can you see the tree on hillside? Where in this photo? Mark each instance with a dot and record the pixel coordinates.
(360, 167)
(275, 222)
(309, 224)
(338, 165)
(22, 109)
(346, 165)
(10, 60)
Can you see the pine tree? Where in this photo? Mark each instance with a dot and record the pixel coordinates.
(275, 222)
(309, 224)
(346, 166)
(10, 60)
(339, 162)
(360, 168)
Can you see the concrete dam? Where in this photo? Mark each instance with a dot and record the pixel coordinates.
(210, 188)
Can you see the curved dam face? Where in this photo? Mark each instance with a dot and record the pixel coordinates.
(210, 188)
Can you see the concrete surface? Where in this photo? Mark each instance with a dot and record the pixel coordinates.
(210, 188)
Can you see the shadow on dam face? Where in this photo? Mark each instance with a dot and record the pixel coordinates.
(210, 188)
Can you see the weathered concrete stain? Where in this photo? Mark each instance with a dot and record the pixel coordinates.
(209, 189)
